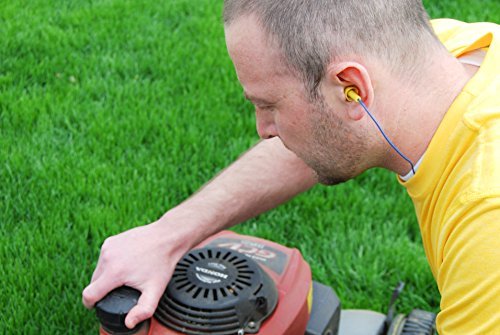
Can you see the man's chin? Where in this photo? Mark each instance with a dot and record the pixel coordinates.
(329, 180)
(322, 174)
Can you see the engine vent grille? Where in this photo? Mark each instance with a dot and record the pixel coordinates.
(217, 291)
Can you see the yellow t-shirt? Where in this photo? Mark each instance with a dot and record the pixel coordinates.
(456, 190)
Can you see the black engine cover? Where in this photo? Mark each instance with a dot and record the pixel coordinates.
(217, 291)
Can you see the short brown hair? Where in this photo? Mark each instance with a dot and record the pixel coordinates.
(311, 33)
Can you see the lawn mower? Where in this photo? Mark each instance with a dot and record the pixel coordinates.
(233, 284)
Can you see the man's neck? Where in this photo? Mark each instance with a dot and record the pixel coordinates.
(417, 110)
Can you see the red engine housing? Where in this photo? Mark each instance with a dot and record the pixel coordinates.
(285, 266)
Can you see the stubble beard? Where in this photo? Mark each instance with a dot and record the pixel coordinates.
(335, 152)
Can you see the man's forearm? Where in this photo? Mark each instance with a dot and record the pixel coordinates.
(144, 257)
(264, 177)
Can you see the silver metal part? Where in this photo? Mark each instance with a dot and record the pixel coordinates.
(361, 322)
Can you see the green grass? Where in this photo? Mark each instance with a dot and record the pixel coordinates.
(113, 111)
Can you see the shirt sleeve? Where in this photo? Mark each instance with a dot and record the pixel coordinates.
(469, 276)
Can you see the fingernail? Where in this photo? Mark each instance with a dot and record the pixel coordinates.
(132, 323)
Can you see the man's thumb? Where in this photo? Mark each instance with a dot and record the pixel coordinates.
(145, 308)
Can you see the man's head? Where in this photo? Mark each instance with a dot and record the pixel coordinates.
(294, 58)
(311, 34)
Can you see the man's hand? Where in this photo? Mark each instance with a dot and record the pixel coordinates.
(143, 258)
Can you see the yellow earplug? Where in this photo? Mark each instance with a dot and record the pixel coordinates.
(351, 93)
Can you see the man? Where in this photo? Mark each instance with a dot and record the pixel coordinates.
(295, 59)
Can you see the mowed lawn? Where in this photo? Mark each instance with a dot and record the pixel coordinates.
(111, 112)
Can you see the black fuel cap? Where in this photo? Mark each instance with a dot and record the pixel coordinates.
(114, 307)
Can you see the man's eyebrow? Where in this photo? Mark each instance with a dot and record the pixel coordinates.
(256, 100)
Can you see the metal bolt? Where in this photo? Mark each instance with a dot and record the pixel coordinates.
(252, 324)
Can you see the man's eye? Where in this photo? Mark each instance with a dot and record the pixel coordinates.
(266, 107)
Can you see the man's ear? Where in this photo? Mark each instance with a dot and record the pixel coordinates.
(346, 74)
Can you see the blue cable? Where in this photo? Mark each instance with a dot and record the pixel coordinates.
(385, 136)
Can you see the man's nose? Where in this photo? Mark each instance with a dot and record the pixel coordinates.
(266, 127)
